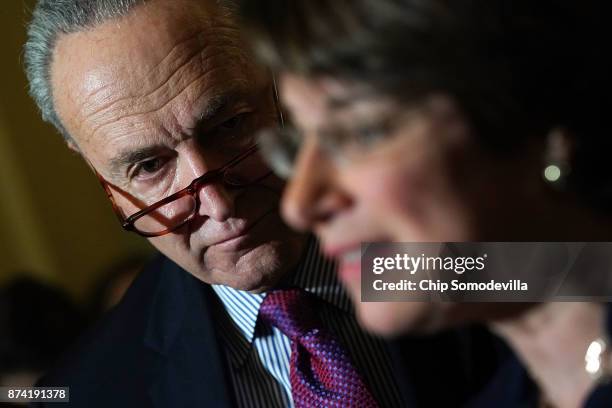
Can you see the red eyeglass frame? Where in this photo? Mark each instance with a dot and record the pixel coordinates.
(192, 189)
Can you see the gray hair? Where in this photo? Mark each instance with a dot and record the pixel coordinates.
(51, 19)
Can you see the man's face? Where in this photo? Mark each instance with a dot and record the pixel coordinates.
(156, 99)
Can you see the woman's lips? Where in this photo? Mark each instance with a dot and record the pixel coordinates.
(349, 258)
(350, 267)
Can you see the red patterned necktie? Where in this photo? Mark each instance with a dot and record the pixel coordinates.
(321, 371)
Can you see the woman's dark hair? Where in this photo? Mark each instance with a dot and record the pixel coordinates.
(518, 68)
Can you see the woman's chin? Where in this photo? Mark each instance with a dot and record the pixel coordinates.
(391, 319)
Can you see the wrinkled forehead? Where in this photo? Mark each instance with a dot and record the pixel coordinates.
(149, 68)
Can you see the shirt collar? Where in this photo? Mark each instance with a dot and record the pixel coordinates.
(314, 274)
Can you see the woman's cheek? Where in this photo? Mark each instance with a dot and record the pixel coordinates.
(399, 195)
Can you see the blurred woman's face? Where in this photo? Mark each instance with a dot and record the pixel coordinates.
(373, 170)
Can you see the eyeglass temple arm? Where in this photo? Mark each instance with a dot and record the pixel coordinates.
(279, 111)
(105, 185)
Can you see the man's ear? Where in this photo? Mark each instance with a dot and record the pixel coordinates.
(73, 146)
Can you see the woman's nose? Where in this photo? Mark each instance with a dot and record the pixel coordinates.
(311, 196)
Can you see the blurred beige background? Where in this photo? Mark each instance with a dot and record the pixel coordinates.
(55, 221)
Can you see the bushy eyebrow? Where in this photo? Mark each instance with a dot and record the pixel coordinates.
(129, 157)
(216, 106)
(212, 109)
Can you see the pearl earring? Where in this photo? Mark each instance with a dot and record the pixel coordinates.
(557, 164)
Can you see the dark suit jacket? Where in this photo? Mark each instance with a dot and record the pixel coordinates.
(158, 348)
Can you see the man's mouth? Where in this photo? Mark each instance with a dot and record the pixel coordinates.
(232, 243)
(239, 239)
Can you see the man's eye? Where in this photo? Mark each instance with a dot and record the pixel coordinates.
(148, 167)
(233, 131)
(232, 123)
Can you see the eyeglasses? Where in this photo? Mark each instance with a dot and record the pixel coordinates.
(280, 146)
(174, 211)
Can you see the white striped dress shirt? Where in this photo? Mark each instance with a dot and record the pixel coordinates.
(258, 354)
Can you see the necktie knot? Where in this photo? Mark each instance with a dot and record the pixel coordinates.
(291, 311)
(321, 371)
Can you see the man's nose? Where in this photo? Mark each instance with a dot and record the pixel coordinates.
(311, 196)
(216, 202)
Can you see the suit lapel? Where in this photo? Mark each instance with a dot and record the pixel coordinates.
(180, 330)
